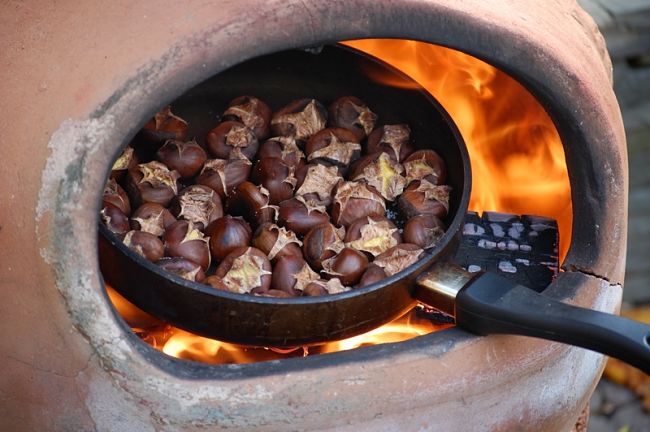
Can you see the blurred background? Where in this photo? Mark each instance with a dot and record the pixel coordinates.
(622, 399)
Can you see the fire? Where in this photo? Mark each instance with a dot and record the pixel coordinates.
(518, 167)
(517, 157)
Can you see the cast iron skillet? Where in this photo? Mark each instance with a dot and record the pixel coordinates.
(482, 303)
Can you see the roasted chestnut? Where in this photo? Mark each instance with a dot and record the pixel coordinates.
(292, 274)
(114, 194)
(227, 234)
(300, 215)
(216, 282)
(122, 164)
(372, 234)
(199, 204)
(352, 113)
(144, 244)
(152, 218)
(398, 258)
(245, 270)
(392, 139)
(183, 267)
(230, 139)
(277, 177)
(299, 119)
(252, 112)
(164, 126)
(335, 145)
(151, 182)
(422, 197)
(424, 230)
(381, 172)
(323, 287)
(251, 202)
(321, 243)
(348, 266)
(183, 239)
(354, 200)
(373, 274)
(276, 241)
(114, 219)
(316, 181)
(186, 157)
(425, 165)
(285, 148)
(223, 175)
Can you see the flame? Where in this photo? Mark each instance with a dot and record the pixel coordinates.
(517, 158)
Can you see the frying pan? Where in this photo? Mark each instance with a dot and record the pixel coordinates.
(482, 303)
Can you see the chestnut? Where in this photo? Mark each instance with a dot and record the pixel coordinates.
(424, 230)
(252, 112)
(114, 219)
(230, 139)
(151, 182)
(251, 202)
(321, 243)
(383, 173)
(152, 218)
(276, 241)
(245, 270)
(183, 239)
(277, 177)
(182, 267)
(186, 157)
(164, 126)
(317, 180)
(216, 282)
(348, 266)
(223, 175)
(392, 139)
(315, 289)
(399, 257)
(292, 274)
(227, 234)
(123, 163)
(300, 215)
(145, 244)
(373, 274)
(352, 113)
(422, 197)
(354, 200)
(425, 165)
(285, 148)
(323, 287)
(372, 234)
(299, 119)
(335, 145)
(114, 194)
(199, 204)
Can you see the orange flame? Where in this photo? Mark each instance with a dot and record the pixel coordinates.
(517, 157)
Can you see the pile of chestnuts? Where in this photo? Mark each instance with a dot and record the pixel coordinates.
(303, 201)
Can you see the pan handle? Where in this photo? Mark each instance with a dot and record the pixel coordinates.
(486, 303)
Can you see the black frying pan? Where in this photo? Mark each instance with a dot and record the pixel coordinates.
(483, 303)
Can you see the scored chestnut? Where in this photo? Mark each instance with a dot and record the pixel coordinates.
(276, 241)
(354, 200)
(276, 176)
(114, 194)
(252, 202)
(183, 239)
(227, 234)
(285, 148)
(252, 112)
(300, 215)
(145, 244)
(123, 163)
(199, 204)
(422, 197)
(373, 274)
(352, 113)
(245, 270)
(424, 230)
(381, 172)
(299, 119)
(186, 157)
(321, 243)
(348, 266)
(392, 139)
(223, 175)
(398, 258)
(152, 218)
(182, 267)
(114, 219)
(323, 287)
(231, 138)
(316, 181)
(151, 182)
(425, 165)
(372, 234)
(335, 145)
(164, 126)
(292, 274)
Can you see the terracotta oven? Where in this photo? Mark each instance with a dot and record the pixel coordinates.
(81, 79)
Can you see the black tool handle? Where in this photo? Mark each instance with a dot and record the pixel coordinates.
(493, 304)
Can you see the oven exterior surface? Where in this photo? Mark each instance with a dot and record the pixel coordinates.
(77, 80)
